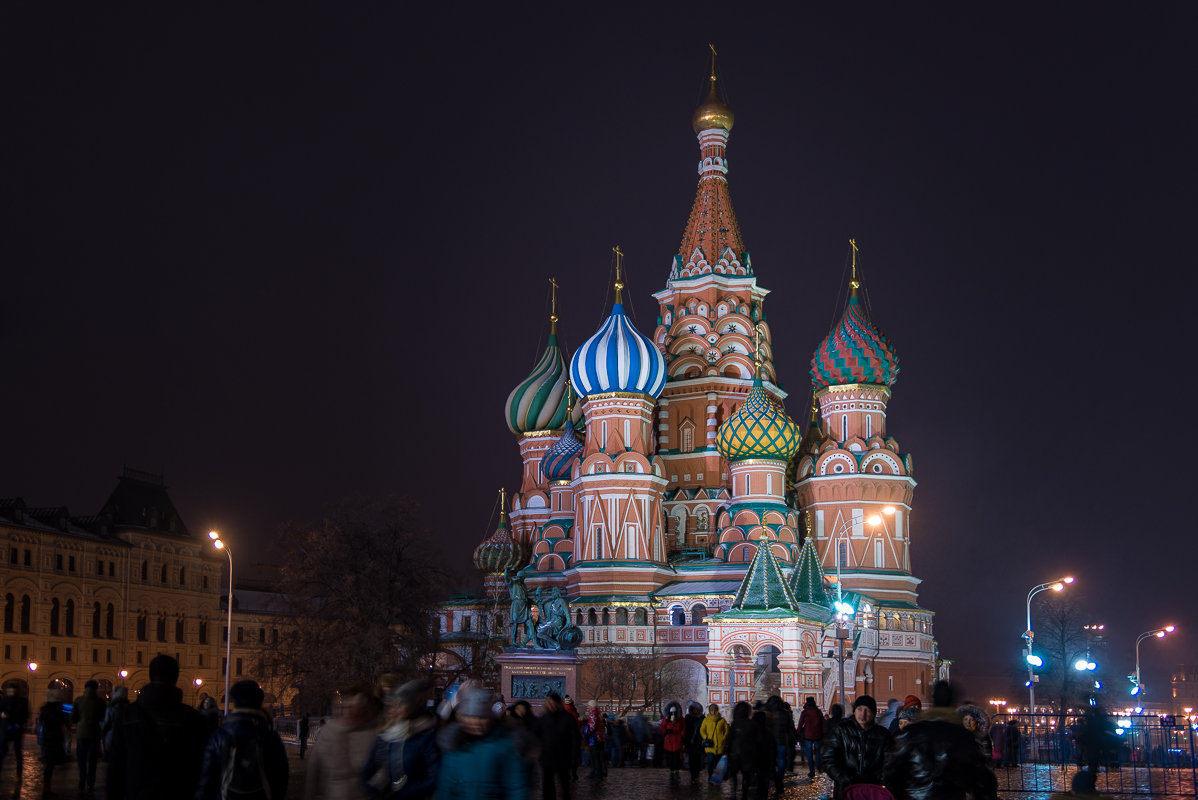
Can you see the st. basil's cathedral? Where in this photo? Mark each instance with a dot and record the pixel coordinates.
(671, 499)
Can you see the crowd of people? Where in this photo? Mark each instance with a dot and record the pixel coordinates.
(391, 741)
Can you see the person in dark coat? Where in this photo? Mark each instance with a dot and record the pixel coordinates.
(303, 729)
(14, 716)
(478, 760)
(559, 747)
(693, 740)
(855, 750)
(405, 761)
(935, 758)
(811, 731)
(52, 721)
(741, 747)
(1011, 744)
(247, 721)
(210, 714)
(835, 717)
(638, 731)
(88, 714)
(157, 742)
(765, 760)
(782, 726)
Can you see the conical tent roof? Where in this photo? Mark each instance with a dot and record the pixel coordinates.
(807, 584)
(764, 587)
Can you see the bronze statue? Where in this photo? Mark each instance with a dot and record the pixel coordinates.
(521, 614)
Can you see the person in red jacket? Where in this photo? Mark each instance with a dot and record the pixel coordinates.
(810, 731)
(595, 738)
(673, 731)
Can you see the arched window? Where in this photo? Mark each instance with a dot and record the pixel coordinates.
(182, 576)
(70, 618)
(55, 613)
(203, 631)
(145, 569)
(163, 578)
(161, 629)
(592, 617)
(179, 629)
(26, 611)
(110, 622)
(141, 627)
(95, 620)
(580, 621)
(10, 612)
(641, 617)
(621, 616)
(677, 615)
(606, 617)
(698, 613)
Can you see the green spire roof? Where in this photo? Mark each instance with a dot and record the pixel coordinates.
(764, 587)
(807, 585)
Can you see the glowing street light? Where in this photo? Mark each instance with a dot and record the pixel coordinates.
(124, 674)
(1159, 633)
(220, 544)
(1057, 585)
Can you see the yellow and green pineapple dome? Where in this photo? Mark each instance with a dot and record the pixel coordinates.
(758, 429)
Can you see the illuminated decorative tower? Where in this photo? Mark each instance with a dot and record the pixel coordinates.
(854, 472)
(619, 547)
(708, 312)
(758, 441)
(499, 552)
(536, 410)
(553, 550)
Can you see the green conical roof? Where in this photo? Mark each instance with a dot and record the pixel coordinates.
(764, 587)
(807, 585)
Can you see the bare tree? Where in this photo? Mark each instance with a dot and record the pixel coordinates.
(1060, 641)
(360, 590)
(628, 679)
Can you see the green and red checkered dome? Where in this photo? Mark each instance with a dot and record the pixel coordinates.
(499, 551)
(854, 352)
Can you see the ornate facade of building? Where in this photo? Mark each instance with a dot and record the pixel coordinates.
(682, 510)
(97, 597)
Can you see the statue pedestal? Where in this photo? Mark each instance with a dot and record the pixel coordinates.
(529, 674)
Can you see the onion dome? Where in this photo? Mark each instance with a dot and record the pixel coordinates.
(558, 462)
(758, 429)
(539, 402)
(618, 358)
(499, 551)
(714, 113)
(855, 351)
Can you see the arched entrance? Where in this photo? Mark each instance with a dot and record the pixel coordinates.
(684, 680)
(767, 679)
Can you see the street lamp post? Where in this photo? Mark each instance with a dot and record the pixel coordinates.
(220, 544)
(845, 610)
(1057, 586)
(1159, 633)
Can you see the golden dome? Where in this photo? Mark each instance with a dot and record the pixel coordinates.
(713, 113)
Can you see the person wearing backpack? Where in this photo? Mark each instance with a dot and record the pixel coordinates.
(157, 742)
(245, 758)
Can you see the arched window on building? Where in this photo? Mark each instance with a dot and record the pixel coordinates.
(203, 631)
(10, 613)
(606, 617)
(677, 615)
(69, 626)
(110, 621)
(182, 576)
(179, 629)
(698, 614)
(163, 575)
(621, 616)
(145, 570)
(142, 635)
(592, 617)
(640, 617)
(580, 621)
(55, 613)
(161, 628)
(26, 612)
(96, 620)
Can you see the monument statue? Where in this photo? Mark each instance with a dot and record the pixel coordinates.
(523, 631)
(555, 631)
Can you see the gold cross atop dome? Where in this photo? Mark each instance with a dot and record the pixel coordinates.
(854, 284)
(552, 305)
(757, 359)
(619, 283)
(502, 505)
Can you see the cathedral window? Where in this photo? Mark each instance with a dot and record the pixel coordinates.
(606, 617)
(686, 433)
(879, 554)
(641, 617)
(621, 616)
(844, 427)
(842, 554)
(592, 617)
(677, 615)
(698, 613)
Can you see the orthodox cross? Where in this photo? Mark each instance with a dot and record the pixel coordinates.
(713, 55)
(854, 284)
(619, 261)
(757, 350)
(502, 504)
(552, 305)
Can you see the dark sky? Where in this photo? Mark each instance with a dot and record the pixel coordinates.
(293, 256)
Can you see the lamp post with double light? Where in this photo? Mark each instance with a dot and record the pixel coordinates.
(220, 544)
(1034, 660)
(1159, 633)
(845, 610)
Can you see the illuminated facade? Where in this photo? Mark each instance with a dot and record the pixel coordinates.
(681, 509)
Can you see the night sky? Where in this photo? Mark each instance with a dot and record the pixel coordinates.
(289, 257)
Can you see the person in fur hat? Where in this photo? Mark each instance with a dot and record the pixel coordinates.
(977, 723)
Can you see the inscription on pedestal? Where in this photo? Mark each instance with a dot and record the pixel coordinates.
(536, 687)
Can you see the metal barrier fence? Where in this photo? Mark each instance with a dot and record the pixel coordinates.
(1136, 755)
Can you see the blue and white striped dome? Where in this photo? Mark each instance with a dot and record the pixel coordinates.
(618, 358)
